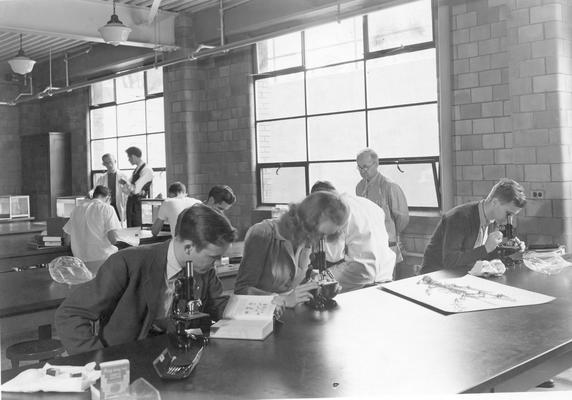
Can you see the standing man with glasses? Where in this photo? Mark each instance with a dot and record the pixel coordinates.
(138, 187)
(386, 194)
(111, 180)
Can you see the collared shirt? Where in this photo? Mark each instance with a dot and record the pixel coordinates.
(483, 227)
(389, 196)
(171, 272)
(171, 208)
(88, 226)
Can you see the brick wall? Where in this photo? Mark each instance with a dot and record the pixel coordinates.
(10, 180)
(208, 132)
(511, 107)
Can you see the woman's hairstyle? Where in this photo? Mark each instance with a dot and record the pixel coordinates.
(319, 205)
(203, 225)
(508, 191)
(302, 220)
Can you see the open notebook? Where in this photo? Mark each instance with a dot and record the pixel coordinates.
(246, 317)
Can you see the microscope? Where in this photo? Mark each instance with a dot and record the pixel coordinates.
(180, 358)
(510, 243)
(186, 311)
(327, 284)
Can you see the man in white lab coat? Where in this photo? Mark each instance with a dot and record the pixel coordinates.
(111, 181)
(92, 230)
(361, 255)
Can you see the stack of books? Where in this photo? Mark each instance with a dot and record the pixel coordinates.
(43, 241)
(52, 241)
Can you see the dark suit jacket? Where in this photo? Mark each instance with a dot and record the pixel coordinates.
(452, 243)
(124, 298)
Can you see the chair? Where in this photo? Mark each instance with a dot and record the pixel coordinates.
(45, 348)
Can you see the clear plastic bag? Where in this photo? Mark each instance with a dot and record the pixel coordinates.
(546, 263)
(70, 270)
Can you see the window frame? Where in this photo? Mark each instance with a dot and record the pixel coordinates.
(434, 161)
(114, 103)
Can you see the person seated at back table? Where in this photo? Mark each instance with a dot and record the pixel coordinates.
(361, 255)
(276, 253)
(469, 232)
(92, 229)
(133, 290)
(221, 197)
(169, 211)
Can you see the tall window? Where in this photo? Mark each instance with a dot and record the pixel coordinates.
(324, 94)
(125, 112)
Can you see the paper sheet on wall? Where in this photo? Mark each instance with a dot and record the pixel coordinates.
(468, 293)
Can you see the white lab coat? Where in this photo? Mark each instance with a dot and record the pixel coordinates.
(120, 196)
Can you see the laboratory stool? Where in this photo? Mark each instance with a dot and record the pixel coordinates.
(34, 350)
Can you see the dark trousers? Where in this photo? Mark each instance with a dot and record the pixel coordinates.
(133, 211)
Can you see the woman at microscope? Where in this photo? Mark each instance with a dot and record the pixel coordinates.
(277, 251)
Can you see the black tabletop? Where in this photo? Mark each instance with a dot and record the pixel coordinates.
(373, 343)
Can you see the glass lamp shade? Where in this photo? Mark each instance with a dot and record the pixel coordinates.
(21, 64)
(114, 32)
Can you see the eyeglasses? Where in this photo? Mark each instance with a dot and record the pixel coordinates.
(364, 168)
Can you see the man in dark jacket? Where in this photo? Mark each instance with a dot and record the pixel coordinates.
(133, 289)
(469, 232)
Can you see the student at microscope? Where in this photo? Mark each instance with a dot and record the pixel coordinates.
(469, 232)
(134, 288)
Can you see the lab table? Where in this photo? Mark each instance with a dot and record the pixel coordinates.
(373, 343)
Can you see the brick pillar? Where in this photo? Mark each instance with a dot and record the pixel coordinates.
(208, 128)
(511, 107)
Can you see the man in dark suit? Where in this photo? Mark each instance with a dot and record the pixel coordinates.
(133, 289)
(469, 232)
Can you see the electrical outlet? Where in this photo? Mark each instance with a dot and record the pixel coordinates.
(538, 194)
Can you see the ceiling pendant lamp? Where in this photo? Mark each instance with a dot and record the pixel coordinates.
(114, 32)
(21, 64)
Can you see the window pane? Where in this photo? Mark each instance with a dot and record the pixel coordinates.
(159, 186)
(130, 87)
(279, 53)
(334, 42)
(103, 122)
(280, 97)
(334, 137)
(338, 88)
(283, 185)
(402, 79)
(281, 141)
(156, 146)
(95, 177)
(401, 25)
(124, 143)
(99, 148)
(154, 80)
(416, 181)
(404, 132)
(131, 118)
(344, 176)
(155, 115)
(102, 92)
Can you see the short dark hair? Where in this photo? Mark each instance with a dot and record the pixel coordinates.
(177, 188)
(100, 191)
(221, 193)
(322, 186)
(203, 225)
(133, 151)
(508, 191)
